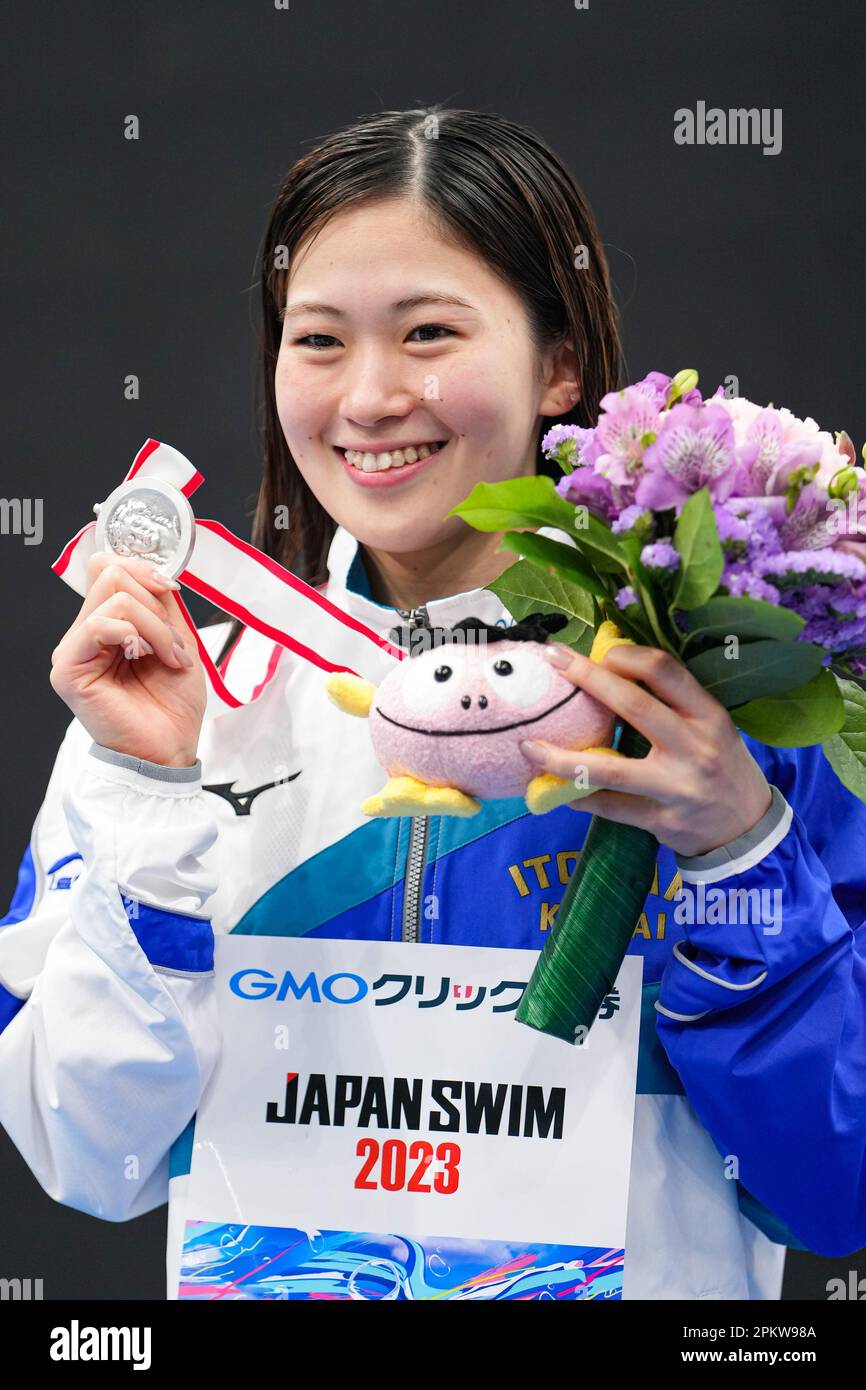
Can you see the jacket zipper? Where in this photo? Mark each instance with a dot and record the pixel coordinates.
(414, 879)
(414, 876)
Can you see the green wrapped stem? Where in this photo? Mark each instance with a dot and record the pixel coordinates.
(594, 925)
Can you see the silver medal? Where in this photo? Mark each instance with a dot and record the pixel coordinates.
(149, 519)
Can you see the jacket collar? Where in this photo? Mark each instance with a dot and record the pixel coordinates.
(349, 589)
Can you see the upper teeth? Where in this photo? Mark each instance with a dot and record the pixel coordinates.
(373, 463)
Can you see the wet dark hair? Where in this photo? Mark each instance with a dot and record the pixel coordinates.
(496, 188)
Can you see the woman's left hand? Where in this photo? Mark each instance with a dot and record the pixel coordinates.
(697, 788)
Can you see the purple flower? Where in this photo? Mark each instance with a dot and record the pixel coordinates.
(763, 534)
(586, 488)
(835, 617)
(794, 568)
(731, 528)
(660, 556)
(557, 433)
(741, 583)
(694, 448)
(836, 632)
(632, 517)
(571, 446)
(656, 386)
(625, 597)
(813, 524)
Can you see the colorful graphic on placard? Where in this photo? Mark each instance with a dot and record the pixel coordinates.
(275, 1262)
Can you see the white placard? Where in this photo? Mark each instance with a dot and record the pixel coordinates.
(380, 1126)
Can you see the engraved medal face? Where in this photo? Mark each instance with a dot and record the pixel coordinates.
(151, 520)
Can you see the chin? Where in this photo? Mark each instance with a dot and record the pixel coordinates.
(402, 535)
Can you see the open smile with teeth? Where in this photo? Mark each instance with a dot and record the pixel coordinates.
(397, 458)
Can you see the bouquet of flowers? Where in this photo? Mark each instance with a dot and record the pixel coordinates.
(732, 536)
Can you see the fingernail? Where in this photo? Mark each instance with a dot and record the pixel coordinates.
(163, 582)
(533, 749)
(145, 646)
(181, 653)
(557, 656)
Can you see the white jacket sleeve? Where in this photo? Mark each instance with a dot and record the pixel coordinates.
(107, 1008)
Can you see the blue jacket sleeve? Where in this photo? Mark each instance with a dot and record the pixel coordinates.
(762, 1007)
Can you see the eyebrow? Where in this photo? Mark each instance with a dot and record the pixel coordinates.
(411, 301)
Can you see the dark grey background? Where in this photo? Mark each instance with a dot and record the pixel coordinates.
(139, 257)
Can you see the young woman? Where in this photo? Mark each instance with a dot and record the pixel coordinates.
(424, 320)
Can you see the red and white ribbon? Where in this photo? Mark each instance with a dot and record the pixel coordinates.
(236, 577)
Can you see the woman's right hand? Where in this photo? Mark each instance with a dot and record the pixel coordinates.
(151, 703)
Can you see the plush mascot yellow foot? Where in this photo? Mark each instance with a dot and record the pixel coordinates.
(547, 791)
(406, 796)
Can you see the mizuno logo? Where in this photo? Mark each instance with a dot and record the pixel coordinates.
(242, 801)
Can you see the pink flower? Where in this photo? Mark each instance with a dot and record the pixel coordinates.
(629, 417)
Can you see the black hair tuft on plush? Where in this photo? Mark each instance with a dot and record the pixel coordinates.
(535, 627)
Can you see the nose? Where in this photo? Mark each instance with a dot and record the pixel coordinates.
(466, 701)
(377, 388)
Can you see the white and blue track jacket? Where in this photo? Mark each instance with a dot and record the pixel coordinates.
(750, 1114)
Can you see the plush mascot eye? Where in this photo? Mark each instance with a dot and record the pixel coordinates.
(432, 680)
(522, 678)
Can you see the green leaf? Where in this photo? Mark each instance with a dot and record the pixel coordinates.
(646, 589)
(846, 750)
(745, 618)
(701, 560)
(598, 543)
(514, 503)
(541, 550)
(524, 588)
(759, 669)
(533, 502)
(802, 717)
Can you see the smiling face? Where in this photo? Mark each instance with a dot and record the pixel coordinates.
(456, 715)
(371, 377)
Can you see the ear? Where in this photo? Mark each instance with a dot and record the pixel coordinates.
(562, 379)
(607, 636)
